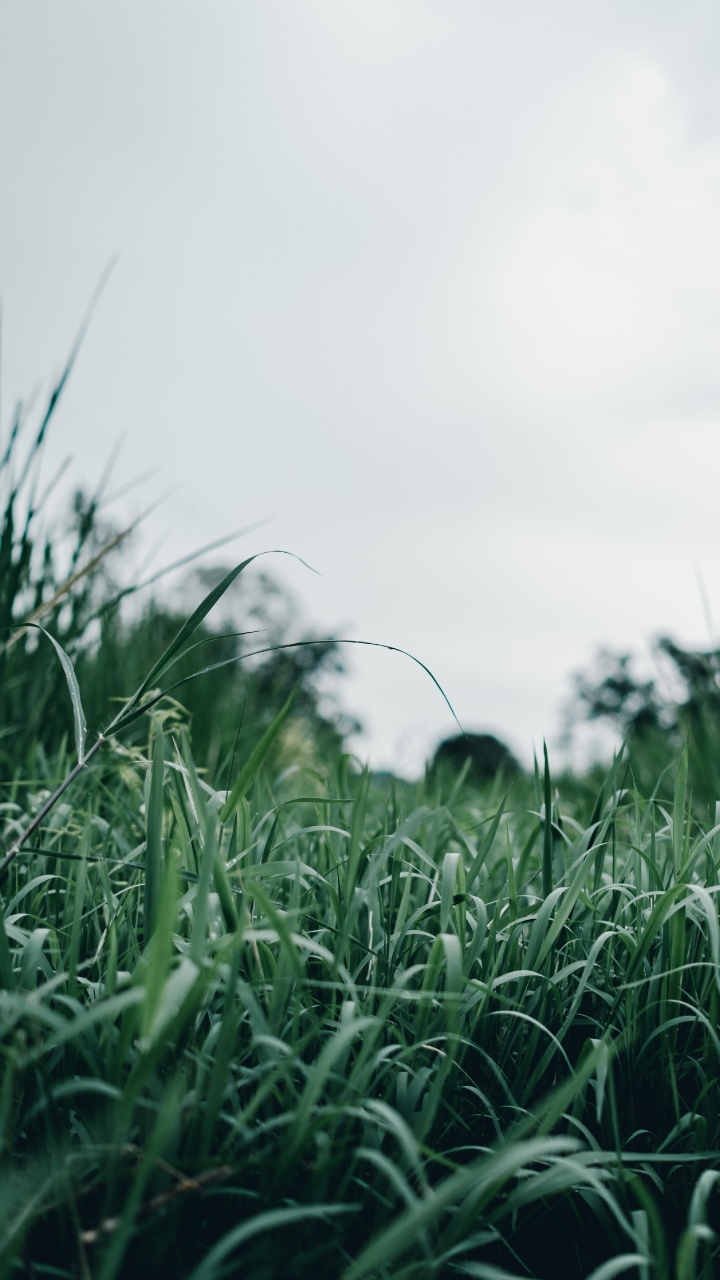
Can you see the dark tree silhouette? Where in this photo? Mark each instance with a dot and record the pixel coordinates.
(488, 756)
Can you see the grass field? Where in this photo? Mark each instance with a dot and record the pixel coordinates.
(311, 1023)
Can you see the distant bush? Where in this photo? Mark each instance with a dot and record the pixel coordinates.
(486, 754)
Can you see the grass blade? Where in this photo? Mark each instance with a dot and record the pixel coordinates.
(74, 689)
(154, 858)
(257, 758)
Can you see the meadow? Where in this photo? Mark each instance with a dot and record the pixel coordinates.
(264, 1014)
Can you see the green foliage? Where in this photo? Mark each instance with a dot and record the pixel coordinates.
(54, 583)
(268, 1021)
(248, 671)
(656, 715)
(361, 1010)
(64, 592)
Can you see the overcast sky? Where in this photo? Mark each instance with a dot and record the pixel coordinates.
(436, 285)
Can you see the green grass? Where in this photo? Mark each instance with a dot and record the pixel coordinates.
(300, 1022)
(348, 1033)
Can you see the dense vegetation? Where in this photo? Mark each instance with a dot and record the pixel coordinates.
(262, 1014)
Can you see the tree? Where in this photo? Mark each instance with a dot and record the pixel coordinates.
(654, 715)
(240, 689)
(486, 754)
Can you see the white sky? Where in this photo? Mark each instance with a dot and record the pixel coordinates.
(434, 284)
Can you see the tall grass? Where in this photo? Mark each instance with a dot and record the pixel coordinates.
(309, 1024)
(350, 1035)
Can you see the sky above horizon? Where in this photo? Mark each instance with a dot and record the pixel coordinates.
(433, 286)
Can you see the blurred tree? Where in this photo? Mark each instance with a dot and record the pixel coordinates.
(655, 715)
(256, 676)
(486, 754)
